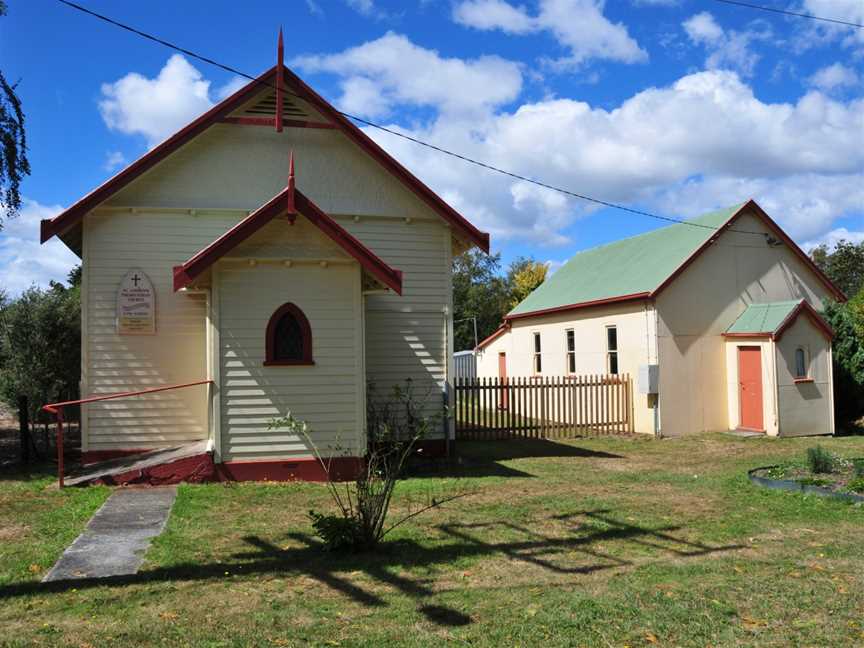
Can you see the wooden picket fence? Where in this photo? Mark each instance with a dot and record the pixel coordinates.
(543, 408)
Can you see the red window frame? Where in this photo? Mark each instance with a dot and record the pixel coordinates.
(305, 330)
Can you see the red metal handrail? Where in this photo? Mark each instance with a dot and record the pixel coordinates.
(57, 410)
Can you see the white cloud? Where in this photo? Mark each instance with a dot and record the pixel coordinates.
(703, 141)
(806, 204)
(230, 88)
(114, 160)
(797, 159)
(835, 236)
(702, 28)
(155, 108)
(577, 25)
(819, 32)
(23, 261)
(367, 8)
(834, 76)
(726, 49)
(393, 70)
(553, 265)
(314, 8)
(494, 14)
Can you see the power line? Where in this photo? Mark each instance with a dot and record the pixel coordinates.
(459, 156)
(791, 13)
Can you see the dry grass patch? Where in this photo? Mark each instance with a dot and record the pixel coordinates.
(588, 542)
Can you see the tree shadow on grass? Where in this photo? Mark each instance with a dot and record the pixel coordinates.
(28, 472)
(584, 533)
(481, 458)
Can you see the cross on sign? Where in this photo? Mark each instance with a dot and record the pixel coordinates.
(136, 279)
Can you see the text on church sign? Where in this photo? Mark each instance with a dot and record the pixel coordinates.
(136, 305)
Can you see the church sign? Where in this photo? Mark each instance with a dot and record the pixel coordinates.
(136, 305)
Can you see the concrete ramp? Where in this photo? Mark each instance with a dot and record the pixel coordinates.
(116, 538)
(192, 463)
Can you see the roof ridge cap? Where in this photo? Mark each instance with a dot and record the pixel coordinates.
(731, 208)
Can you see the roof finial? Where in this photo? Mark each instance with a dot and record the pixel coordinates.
(280, 56)
(280, 49)
(291, 208)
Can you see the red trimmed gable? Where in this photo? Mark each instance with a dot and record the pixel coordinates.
(749, 207)
(72, 216)
(501, 330)
(753, 207)
(290, 201)
(812, 314)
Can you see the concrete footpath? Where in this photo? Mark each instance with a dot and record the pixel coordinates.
(117, 536)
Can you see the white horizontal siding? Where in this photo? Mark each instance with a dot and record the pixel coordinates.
(116, 242)
(242, 167)
(328, 395)
(406, 335)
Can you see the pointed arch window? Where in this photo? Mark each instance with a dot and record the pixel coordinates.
(289, 338)
(802, 369)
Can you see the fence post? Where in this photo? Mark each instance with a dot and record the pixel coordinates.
(60, 447)
(543, 392)
(24, 429)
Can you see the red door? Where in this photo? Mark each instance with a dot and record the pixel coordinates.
(502, 375)
(750, 388)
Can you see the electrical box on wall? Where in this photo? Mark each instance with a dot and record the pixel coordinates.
(649, 379)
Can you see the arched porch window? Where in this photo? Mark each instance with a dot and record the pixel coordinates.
(289, 338)
(801, 364)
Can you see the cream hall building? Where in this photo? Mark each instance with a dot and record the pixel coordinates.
(281, 287)
(717, 321)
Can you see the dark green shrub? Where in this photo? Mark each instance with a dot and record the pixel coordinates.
(856, 485)
(819, 460)
(858, 467)
(847, 321)
(336, 531)
(814, 481)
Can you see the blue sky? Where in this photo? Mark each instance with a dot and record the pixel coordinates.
(673, 106)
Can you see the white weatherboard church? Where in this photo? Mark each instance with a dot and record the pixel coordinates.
(210, 259)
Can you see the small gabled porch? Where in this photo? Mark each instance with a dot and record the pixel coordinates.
(779, 370)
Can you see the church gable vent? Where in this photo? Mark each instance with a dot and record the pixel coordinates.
(266, 107)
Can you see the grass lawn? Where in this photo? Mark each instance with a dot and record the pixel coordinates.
(600, 542)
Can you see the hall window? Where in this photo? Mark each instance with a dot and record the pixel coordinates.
(612, 349)
(801, 368)
(570, 336)
(289, 337)
(538, 360)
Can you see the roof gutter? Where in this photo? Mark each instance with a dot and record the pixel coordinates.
(586, 304)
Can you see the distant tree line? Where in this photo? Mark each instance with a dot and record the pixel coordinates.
(482, 291)
(844, 265)
(40, 345)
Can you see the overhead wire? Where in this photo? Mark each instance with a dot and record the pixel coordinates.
(391, 131)
(787, 12)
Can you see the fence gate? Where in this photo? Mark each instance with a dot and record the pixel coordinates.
(543, 408)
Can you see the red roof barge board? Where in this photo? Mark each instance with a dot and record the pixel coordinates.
(778, 232)
(651, 295)
(804, 307)
(73, 215)
(280, 204)
(501, 330)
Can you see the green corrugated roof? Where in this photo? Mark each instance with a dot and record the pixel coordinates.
(763, 318)
(626, 267)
